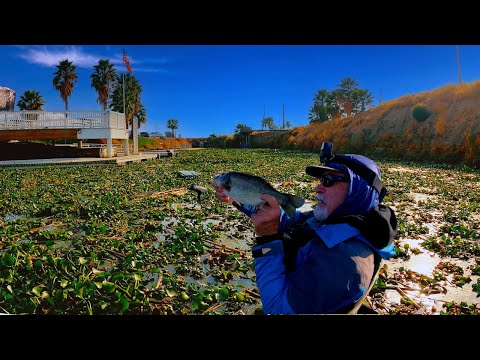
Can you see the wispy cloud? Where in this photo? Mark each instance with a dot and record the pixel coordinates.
(50, 56)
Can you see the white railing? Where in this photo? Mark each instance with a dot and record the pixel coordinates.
(29, 119)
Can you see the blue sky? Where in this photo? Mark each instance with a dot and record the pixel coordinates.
(210, 89)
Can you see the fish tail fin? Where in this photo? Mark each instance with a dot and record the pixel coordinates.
(296, 201)
(289, 209)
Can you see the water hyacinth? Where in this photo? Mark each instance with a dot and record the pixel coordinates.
(137, 240)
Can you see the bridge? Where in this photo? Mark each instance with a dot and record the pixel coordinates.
(59, 125)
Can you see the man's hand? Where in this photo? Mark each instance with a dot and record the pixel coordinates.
(267, 218)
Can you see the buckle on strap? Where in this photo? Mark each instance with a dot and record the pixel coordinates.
(260, 252)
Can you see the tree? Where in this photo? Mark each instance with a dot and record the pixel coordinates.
(30, 100)
(65, 79)
(343, 102)
(102, 80)
(318, 111)
(264, 123)
(172, 124)
(287, 124)
(347, 85)
(133, 103)
(238, 129)
(362, 99)
(268, 122)
(345, 95)
(168, 134)
(333, 107)
(352, 99)
(141, 115)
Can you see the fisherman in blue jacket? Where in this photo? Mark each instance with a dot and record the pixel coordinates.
(323, 261)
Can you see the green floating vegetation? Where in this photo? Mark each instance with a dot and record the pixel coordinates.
(136, 239)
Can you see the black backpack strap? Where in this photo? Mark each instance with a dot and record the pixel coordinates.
(295, 236)
(378, 225)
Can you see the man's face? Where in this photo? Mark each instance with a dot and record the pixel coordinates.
(329, 198)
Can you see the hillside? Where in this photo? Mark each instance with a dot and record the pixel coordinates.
(450, 133)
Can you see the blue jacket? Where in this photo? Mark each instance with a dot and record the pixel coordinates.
(332, 270)
(334, 265)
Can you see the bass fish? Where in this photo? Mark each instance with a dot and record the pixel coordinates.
(246, 189)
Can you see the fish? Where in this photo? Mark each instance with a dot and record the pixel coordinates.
(246, 189)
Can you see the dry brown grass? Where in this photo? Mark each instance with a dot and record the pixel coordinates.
(451, 133)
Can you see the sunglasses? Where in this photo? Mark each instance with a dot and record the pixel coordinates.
(330, 180)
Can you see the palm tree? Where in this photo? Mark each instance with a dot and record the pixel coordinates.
(268, 122)
(318, 111)
(172, 124)
(133, 103)
(31, 100)
(102, 80)
(65, 79)
(264, 123)
(238, 128)
(141, 115)
(347, 85)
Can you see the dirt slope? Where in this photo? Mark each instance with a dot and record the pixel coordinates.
(450, 133)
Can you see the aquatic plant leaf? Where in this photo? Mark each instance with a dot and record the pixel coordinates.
(108, 286)
(223, 293)
(171, 292)
(8, 259)
(37, 290)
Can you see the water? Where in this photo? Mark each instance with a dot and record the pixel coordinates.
(13, 217)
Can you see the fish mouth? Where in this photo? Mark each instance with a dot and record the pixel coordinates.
(222, 181)
(223, 186)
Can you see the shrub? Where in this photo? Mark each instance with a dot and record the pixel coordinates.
(421, 113)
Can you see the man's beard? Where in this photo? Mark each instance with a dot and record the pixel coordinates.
(320, 213)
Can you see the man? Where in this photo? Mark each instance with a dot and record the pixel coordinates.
(323, 261)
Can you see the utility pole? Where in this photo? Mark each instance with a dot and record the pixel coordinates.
(283, 116)
(263, 119)
(458, 64)
(126, 150)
